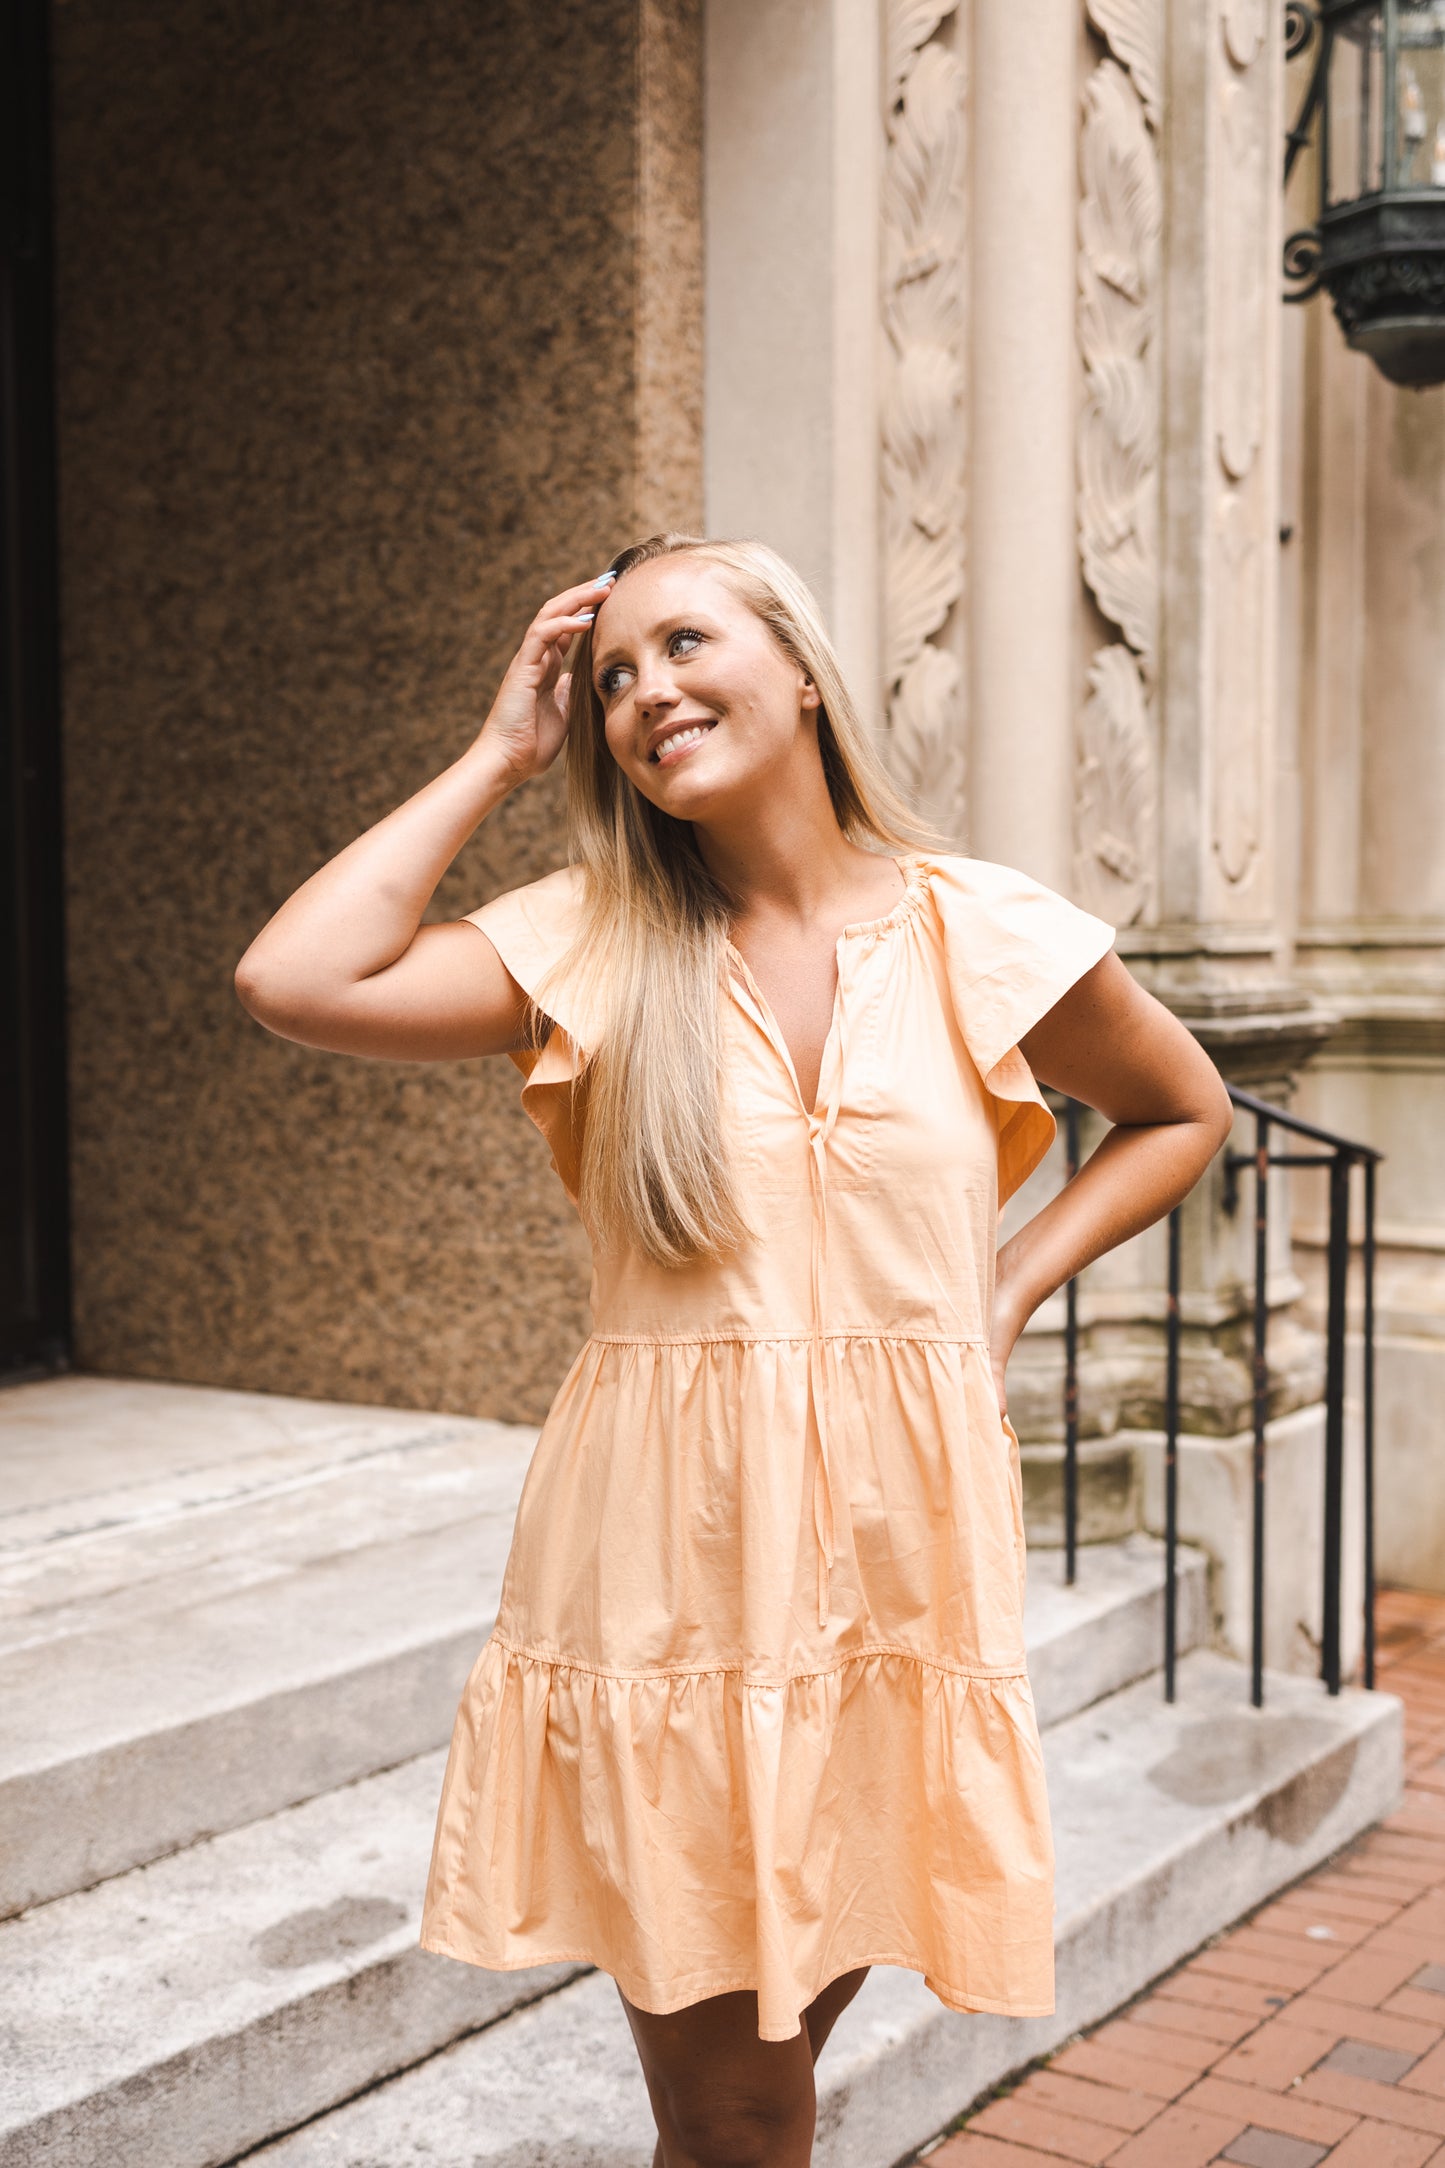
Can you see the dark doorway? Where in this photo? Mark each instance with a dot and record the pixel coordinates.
(34, 1200)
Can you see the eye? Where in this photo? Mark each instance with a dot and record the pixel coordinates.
(607, 679)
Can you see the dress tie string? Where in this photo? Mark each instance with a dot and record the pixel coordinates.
(820, 1128)
(821, 1124)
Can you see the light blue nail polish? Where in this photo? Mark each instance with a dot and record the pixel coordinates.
(586, 613)
(603, 577)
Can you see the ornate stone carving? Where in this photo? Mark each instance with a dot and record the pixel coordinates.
(923, 404)
(1119, 225)
(1120, 218)
(1134, 31)
(1116, 788)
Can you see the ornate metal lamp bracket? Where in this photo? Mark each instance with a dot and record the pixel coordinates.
(1302, 249)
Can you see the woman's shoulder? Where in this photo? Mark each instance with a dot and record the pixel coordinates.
(1012, 946)
(552, 899)
(1011, 905)
(533, 927)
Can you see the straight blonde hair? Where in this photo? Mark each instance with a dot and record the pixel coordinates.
(656, 1171)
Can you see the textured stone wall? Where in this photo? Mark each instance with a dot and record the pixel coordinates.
(358, 306)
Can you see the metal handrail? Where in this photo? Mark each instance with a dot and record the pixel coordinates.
(1341, 1156)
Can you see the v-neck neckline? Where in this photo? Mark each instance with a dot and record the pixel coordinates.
(911, 870)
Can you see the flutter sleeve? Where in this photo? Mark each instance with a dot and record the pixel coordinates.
(1012, 948)
(532, 929)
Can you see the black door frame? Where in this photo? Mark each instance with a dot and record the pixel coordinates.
(35, 1325)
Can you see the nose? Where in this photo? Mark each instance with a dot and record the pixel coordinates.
(656, 692)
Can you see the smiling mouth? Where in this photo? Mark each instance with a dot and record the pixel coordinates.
(679, 741)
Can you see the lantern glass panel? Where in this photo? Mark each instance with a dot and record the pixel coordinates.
(1420, 96)
(1356, 105)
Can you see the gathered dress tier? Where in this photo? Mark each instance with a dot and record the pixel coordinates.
(755, 1709)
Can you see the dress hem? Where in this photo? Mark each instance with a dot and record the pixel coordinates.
(701, 1989)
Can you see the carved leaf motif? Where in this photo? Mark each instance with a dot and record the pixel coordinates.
(1117, 801)
(922, 195)
(923, 411)
(927, 736)
(909, 26)
(1135, 32)
(1119, 227)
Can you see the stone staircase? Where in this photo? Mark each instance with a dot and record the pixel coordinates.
(232, 1633)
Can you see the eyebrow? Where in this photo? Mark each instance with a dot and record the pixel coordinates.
(670, 623)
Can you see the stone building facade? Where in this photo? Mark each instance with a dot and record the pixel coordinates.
(376, 327)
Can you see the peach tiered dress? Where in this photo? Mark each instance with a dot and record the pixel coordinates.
(755, 1709)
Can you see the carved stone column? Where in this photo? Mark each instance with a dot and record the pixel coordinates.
(1182, 830)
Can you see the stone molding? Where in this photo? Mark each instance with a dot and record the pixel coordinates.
(1245, 172)
(923, 408)
(1120, 224)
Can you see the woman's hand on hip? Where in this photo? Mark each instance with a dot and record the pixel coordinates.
(1005, 1326)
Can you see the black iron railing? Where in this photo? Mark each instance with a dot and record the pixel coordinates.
(1340, 1156)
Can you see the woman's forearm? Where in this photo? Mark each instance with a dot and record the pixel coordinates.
(1135, 1177)
(361, 911)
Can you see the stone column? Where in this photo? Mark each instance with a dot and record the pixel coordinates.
(1024, 568)
(792, 159)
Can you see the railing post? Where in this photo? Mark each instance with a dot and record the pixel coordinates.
(1367, 1329)
(1171, 1458)
(1261, 1401)
(1335, 1322)
(1071, 1368)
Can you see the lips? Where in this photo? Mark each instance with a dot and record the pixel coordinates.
(678, 739)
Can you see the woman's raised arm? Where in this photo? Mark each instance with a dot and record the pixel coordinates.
(346, 963)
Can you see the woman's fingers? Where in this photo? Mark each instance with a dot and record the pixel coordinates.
(547, 630)
(573, 601)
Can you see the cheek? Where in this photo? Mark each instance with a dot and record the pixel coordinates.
(618, 739)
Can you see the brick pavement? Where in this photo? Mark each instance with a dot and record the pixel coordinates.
(1313, 2031)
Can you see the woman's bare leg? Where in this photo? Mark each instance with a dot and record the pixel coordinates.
(723, 2098)
(824, 2011)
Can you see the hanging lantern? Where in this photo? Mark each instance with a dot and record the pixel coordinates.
(1378, 249)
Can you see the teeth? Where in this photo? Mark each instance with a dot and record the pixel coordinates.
(689, 736)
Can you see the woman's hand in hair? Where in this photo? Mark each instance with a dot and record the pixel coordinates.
(346, 963)
(528, 719)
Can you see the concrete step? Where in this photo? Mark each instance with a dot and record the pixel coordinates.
(1169, 1822)
(1088, 1640)
(215, 1605)
(191, 2009)
(181, 2012)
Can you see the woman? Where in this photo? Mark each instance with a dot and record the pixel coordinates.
(755, 1713)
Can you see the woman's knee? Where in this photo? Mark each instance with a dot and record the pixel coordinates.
(722, 2127)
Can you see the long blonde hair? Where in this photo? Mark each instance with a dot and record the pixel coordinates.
(655, 1165)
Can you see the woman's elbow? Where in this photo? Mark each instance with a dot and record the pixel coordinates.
(264, 995)
(1219, 1113)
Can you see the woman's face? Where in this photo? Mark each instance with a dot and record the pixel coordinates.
(701, 707)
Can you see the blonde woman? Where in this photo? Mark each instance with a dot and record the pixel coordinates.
(755, 1714)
